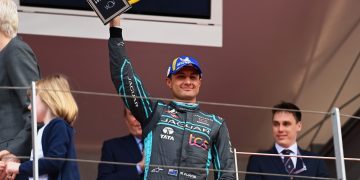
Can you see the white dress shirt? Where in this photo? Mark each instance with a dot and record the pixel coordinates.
(294, 151)
(39, 151)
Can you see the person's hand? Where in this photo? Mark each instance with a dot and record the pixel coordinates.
(115, 22)
(142, 163)
(10, 158)
(2, 170)
(12, 169)
(10, 177)
(3, 153)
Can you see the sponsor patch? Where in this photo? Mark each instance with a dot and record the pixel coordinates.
(172, 113)
(188, 175)
(186, 125)
(132, 91)
(156, 170)
(198, 142)
(168, 131)
(167, 137)
(173, 172)
(203, 121)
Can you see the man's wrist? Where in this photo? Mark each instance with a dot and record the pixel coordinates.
(115, 32)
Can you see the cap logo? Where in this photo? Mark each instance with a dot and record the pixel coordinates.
(185, 60)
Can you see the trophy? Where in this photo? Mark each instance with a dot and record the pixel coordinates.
(109, 9)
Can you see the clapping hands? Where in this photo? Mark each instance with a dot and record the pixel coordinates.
(9, 165)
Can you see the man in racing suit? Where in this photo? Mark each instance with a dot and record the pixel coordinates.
(180, 141)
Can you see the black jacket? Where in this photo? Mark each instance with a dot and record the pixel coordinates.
(274, 165)
(122, 149)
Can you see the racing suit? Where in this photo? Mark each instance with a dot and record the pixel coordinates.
(180, 141)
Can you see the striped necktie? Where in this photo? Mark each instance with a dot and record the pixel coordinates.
(289, 165)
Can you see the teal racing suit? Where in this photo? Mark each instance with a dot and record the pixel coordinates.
(180, 141)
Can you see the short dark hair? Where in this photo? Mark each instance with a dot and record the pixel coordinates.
(281, 107)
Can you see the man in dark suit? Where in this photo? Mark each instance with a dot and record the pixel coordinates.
(286, 124)
(126, 149)
(18, 68)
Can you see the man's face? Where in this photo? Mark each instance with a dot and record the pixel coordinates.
(132, 124)
(285, 128)
(185, 84)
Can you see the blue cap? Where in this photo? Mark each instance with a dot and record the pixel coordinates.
(181, 62)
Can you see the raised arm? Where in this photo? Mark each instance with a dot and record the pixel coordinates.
(125, 80)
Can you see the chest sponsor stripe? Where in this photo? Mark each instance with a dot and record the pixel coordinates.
(187, 122)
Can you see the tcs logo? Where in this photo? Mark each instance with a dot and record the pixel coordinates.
(198, 142)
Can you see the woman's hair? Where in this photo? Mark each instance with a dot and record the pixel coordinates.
(9, 19)
(54, 91)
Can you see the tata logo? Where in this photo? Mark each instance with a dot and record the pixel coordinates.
(168, 130)
(167, 137)
(198, 142)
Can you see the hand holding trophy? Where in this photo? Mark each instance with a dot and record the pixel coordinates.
(109, 9)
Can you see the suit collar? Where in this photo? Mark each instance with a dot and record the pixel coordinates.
(294, 148)
(277, 161)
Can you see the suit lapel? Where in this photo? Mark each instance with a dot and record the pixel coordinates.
(133, 148)
(277, 161)
(300, 162)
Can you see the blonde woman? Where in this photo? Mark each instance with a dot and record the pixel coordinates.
(57, 109)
